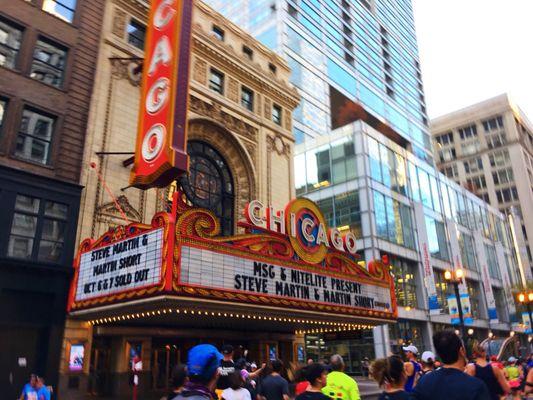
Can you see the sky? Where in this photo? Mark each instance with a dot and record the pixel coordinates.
(471, 50)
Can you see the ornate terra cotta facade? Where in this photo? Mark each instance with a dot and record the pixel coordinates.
(256, 149)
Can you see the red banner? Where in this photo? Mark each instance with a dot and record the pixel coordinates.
(161, 152)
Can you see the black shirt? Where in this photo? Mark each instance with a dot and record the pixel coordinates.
(399, 395)
(450, 384)
(273, 387)
(312, 396)
(226, 369)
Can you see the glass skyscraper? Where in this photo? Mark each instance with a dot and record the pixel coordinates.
(363, 153)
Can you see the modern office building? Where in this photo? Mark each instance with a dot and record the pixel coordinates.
(364, 153)
(48, 50)
(488, 148)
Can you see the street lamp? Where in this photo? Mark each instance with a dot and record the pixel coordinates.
(527, 299)
(455, 277)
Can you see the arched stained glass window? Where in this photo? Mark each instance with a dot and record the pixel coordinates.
(209, 183)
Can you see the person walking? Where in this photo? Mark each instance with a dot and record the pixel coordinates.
(43, 392)
(428, 362)
(412, 367)
(236, 390)
(179, 378)
(339, 385)
(450, 382)
(274, 386)
(203, 362)
(365, 365)
(29, 391)
(514, 376)
(227, 367)
(317, 376)
(390, 375)
(488, 373)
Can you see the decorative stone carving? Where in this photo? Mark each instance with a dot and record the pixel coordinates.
(126, 69)
(259, 102)
(119, 22)
(111, 210)
(199, 71)
(268, 108)
(233, 90)
(214, 111)
(278, 145)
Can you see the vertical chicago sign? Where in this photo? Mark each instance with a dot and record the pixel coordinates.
(160, 152)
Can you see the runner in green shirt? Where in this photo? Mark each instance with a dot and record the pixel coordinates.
(339, 385)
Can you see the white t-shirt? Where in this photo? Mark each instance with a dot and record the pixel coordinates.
(239, 394)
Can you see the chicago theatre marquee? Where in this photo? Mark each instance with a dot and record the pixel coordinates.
(222, 255)
(179, 280)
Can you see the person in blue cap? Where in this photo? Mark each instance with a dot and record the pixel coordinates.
(203, 363)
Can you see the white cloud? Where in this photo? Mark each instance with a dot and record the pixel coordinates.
(471, 50)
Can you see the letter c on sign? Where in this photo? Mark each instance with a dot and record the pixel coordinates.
(163, 14)
(306, 223)
(254, 213)
(157, 95)
(153, 142)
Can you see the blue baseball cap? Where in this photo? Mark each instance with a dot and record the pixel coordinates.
(203, 361)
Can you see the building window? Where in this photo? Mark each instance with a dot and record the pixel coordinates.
(471, 147)
(496, 140)
(348, 213)
(276, 114)
(438, 246)
(501, 309)
(493, 124)
(473, 165)
(247, 98)
(447, 155)
(473, 294)
(272, 68)
(209, 183)
(476, 183)
(393, 220)
(38, 230)
(63, 9)
(492, 261)
(404, 273)
(10, 38)
(49, 61)
(507, 195)
(503, 176)
(468, 132)
(216, 81)
(499, 158)
(35, 136)
(248, 52)
(450, 172)
(218, 33)
(405, 332)
(444, 290)
(136, 34)
(444, 139)
(468, 255)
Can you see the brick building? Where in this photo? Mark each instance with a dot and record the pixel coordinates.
(47, 61)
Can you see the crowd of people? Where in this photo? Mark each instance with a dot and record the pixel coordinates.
(213, 375)
(451, 375)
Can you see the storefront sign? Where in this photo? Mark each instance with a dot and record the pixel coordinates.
(527, 323)
(160, 153)
(202, 268)
(77, 353)
(124, 265)
(303, 222)
(181, 254)
(485, 276)
(423, 242)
